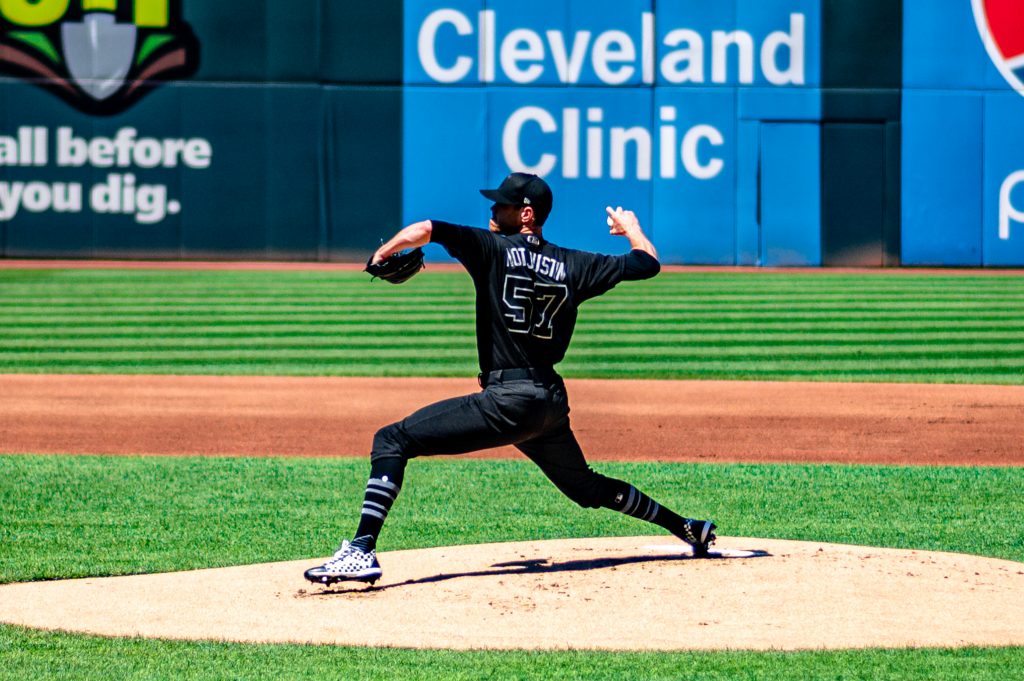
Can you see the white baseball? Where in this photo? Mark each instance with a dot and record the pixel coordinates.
(617, 211)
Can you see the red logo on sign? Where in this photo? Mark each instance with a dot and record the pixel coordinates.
(1001, 25)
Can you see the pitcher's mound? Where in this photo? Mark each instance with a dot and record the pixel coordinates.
(641, 593)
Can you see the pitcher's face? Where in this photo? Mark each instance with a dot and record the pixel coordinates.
(506, 219)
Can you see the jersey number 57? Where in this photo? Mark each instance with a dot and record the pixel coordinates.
(531, 306)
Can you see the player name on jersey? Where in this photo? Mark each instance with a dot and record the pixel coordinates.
(541, 264)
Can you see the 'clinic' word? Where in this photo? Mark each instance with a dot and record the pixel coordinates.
(674, 150)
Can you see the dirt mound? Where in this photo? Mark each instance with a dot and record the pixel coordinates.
(641, 593)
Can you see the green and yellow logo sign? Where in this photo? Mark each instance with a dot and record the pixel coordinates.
(100, 56)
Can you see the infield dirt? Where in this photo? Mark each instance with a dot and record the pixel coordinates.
(716, 421)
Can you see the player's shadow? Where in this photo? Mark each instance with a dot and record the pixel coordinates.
(542, 566)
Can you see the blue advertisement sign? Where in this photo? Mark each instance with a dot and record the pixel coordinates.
(613, 103)
(963, 155)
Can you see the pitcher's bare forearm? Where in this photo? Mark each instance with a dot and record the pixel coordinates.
(413, 236)
(639, 241)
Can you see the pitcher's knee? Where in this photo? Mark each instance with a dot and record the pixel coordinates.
(389, 442)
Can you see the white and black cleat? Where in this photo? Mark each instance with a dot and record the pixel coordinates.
(355, 561)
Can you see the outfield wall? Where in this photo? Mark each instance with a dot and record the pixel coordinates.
(963, 144)
(747, 132)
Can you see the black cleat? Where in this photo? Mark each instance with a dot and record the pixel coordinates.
(699, 534)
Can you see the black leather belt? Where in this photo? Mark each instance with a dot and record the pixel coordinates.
(540, 376)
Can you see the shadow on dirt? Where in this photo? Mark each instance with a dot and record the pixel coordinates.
(545, 566)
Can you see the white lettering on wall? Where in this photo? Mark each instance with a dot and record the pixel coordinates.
(614, 56)
(794, 44)
(610, 49)
(691, 159)
(510, 140)
(694, 152)
(1007, 211)
(518, 47)
(120, 193)
(720, 43)
(427, 43)
(127, 149)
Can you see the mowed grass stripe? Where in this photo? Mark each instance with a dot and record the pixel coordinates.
(344, 363)
(704, 325)
(184, 315)
(442, 366)
(354, 298)
(386, 350)
(664, 342)
(592, 313)
(827, 330)
(464, 361)
(438, 370)
(628, 293)
(991, 372)
(235, 299)
(717, 280)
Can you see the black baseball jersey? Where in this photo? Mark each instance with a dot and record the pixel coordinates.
(528, 290)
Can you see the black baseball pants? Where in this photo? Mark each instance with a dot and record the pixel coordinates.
(530, 413)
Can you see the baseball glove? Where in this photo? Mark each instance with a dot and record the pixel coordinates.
(398, 268)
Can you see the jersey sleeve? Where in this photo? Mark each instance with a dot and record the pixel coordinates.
(640, 265)
(471, 246)
(597, 274)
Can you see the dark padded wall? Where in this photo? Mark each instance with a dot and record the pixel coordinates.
(862, 79)
(299, 102)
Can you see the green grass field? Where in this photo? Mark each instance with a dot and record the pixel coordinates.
(81, 515)
(76, 516)
(778, 326)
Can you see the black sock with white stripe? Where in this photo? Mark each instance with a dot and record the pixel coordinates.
(633, 502)
(381, 491)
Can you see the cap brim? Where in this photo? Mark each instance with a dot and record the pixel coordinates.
(497, 197)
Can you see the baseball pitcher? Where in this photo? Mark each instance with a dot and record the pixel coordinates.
(528, 292)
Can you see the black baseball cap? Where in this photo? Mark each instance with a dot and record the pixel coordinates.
(524, 189)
